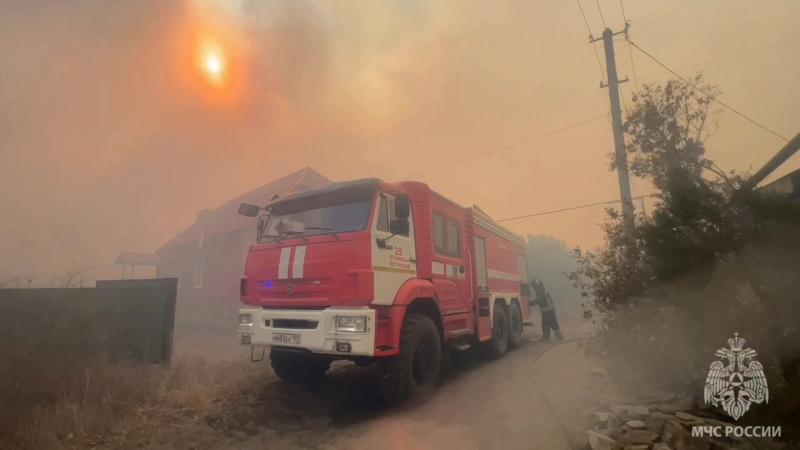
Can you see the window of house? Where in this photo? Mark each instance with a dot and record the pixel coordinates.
(446, 236)
(198, 281)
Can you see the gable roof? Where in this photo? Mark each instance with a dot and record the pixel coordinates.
(226, 218)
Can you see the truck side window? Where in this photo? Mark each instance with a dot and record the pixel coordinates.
(438, 234)
(446, 236)
(383, 214)
(452, 243)
(386, 213)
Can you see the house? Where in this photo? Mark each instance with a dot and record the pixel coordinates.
(788, 184)
(134, 260)
(208, 257)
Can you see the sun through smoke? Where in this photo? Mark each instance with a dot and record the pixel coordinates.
(212, 64)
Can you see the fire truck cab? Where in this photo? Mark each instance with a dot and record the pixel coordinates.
(375, 272)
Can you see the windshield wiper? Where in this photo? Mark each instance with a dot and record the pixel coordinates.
(324, 229)
(277, 237)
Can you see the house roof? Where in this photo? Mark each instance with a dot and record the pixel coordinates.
(226, 218)
(137, 259)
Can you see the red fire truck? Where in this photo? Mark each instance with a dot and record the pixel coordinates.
(375, 272)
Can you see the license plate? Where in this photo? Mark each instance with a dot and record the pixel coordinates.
(282, 338)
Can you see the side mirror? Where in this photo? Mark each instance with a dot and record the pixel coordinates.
(402, 207)
(248, 210)
(399, 227)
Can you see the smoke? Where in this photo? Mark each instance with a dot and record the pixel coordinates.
(113, 139)
(110, 133)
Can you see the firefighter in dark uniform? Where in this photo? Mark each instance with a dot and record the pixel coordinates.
(548, 310)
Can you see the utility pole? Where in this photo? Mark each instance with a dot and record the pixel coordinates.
(616, 123)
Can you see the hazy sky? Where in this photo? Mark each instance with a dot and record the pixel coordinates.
(113, 138)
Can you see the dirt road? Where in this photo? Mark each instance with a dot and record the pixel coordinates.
(534, 398)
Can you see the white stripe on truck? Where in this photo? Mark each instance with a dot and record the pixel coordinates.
(283, 266)
(500, 275)
(299, 261)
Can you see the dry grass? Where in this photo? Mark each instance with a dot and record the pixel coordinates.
(107, 405)
(59, 391)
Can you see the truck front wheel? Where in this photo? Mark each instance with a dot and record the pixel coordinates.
(298, 368)
(414, 372)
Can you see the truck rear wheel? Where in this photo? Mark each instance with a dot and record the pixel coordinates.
(414, 372)
(497, 347)
(514, 327)
(298, 368)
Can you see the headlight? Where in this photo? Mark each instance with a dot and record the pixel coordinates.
(351, 324)
(245, 320)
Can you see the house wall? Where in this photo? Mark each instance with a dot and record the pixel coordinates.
(138, 272)
(213, 302)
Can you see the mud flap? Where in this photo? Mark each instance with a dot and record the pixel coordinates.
(384, 368)
(253, 352)
(447, 357)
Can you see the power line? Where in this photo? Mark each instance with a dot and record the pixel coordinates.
(633, 66)
(774, 44)
(609, 202)
(625, 18)
(506, 147)
(654, 12)
(665, 15)
(705, 93)
(596, 54)
(589, 29)
(601, 13)
(584, 17)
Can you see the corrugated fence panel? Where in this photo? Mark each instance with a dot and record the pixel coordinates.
(128, 320)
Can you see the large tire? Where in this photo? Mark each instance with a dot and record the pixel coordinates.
(414, 372)
(297, 367)
(514, 327)
(498, 346)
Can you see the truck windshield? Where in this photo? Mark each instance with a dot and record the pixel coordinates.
(329, 213)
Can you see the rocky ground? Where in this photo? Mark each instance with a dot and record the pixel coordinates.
(661, 422)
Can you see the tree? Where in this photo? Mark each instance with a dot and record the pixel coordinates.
(667, 129)
(710, 260)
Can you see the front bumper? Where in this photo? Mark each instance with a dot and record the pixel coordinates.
(293, 329)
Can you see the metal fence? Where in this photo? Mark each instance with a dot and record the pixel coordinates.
(131, 320)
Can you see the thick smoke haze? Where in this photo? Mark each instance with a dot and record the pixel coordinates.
(113, 139)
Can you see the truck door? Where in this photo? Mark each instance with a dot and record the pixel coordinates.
(450, 262)
(395, 263)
